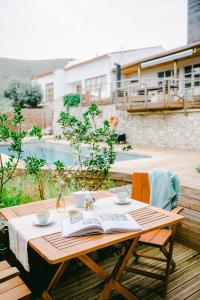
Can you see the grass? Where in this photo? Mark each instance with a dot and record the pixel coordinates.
(24, 188)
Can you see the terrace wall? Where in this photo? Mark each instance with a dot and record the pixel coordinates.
(162, 129)
(37, 116)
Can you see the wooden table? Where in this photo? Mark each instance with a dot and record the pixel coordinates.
(56, 249)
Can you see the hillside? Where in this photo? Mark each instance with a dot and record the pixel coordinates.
(14, 69)
(11, 69)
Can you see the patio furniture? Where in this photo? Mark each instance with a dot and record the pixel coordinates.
(159, 238)
(56, 249)
(12, 286)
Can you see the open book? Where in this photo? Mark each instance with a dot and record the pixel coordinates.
(89, 222)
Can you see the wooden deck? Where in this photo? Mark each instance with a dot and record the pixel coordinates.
(184, 282)
(183, 162)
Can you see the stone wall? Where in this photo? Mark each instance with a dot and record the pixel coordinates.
(170, 129)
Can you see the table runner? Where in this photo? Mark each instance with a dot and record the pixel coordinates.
(22, 229)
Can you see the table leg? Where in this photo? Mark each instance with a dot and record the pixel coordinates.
(92, 265)
(117, 273)
(112, 281)
(54, 280)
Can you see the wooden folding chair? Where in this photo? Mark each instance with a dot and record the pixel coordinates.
(159, 238)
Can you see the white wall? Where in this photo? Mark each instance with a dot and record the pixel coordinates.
(80, 73)
(127, 57)
(57, 78)
(104, 66)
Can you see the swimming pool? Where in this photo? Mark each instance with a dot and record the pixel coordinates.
(53, 151)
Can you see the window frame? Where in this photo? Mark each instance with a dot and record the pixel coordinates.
(49, 90)
(193, 75)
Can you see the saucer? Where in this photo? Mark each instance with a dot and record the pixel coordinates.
(37, 222)
(127, 201)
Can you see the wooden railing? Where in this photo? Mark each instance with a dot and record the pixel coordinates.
(158, 93)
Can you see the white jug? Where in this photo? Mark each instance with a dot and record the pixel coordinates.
(80, 198)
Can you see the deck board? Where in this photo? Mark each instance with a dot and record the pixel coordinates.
(184, 282)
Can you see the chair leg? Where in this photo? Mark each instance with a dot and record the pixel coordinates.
(136, 255)
(166, 254)
(169, 260)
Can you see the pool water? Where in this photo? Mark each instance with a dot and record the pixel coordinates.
(53, 151)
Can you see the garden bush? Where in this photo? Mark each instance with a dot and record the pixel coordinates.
(92, 170)
(24, 94)
(71, 100)
(15, 139)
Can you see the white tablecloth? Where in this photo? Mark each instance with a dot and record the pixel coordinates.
(23, 229)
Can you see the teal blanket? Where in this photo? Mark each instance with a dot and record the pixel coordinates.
(164, 189)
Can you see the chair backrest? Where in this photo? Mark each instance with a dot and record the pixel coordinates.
(140, 187)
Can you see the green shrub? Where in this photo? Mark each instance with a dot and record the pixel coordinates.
(24, 94)
(71, 100)
(14, 196)
(15, 139)
(91, 171)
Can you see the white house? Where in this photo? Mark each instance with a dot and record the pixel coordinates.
(52, 84)
(91, 75)
(174, 73)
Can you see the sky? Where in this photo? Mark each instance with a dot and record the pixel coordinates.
(45, 29)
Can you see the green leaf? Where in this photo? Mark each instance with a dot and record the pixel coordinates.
(59, 165)
(127, 148)
(3, 118)
(18, 116)
(36, 131)
(34, 165)
(71, 100)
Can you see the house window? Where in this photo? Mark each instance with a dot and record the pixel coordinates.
(165, 75)
(49, 92)
(96, 84)
(192, 76)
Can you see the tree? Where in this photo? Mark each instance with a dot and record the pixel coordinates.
(93, 168)
(15, 139)
(24, 94)
(33, 95)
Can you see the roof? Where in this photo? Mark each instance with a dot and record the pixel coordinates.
(42, 75)
(49, 66)
(85, 60)
(162, 54)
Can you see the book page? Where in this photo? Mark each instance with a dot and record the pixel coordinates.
(81, 224)
(118, 223)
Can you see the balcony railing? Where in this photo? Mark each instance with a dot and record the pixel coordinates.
(172, 93)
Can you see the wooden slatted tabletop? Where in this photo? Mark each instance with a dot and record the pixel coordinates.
(55, 248)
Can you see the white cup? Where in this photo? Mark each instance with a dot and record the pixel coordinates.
(121, 197)
(43, 216)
